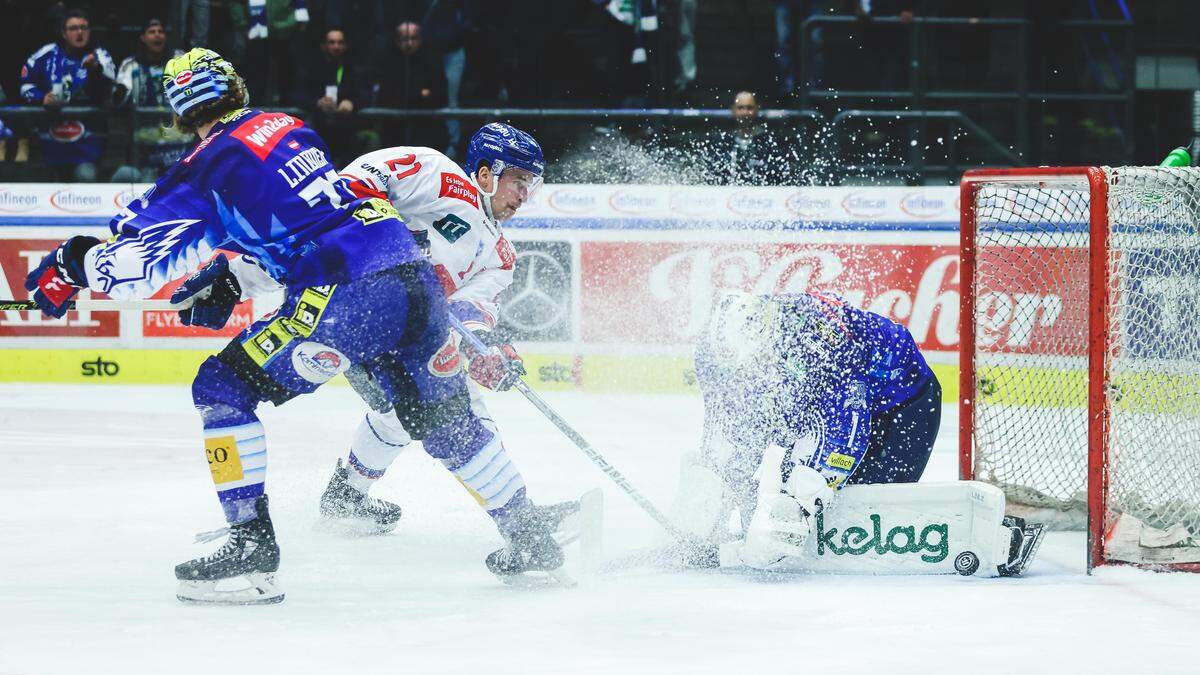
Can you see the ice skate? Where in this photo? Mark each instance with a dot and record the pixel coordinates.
(533, 555)
(351, 510)
(242, 572)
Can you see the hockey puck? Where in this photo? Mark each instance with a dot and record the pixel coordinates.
(966, 563)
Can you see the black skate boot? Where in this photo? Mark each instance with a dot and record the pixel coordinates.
(532, 546)
(356, 511)
(242, 572)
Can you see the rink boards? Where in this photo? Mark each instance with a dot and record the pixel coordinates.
(612, 283)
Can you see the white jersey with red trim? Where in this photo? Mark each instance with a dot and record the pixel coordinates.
(473, 259)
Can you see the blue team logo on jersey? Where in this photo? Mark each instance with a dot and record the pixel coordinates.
(153, 246)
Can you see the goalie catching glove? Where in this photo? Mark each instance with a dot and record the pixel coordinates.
(783, 519)
(499, 367)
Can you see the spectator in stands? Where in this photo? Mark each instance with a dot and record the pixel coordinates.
(751, 154)
(139, 85)
(275, 49)
(334, 85)
(412, 78)
(445, 24)
(193, 33)
(74, 71)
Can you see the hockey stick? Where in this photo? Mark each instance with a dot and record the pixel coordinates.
(579, 441)
(97, 305)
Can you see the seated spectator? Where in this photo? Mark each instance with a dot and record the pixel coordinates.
(72, 72)
(750, 153)
(334, 85)
(412, 78)
(139, 84)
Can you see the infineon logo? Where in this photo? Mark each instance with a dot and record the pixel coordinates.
(17, 202)
(569, 201)
(809, 206)
(863, 205)
(71, 201)
(123, 198)
(695, 203)
(921, 205)
(748, 204)
(625, 201)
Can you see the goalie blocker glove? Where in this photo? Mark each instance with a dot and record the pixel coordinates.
(499, 368)
(60, 276)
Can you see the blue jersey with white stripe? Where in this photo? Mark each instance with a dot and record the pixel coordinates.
(835, 367)
(68, 141)
(260, 184)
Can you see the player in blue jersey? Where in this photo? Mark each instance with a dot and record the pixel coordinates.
(844, 392)
(358, 288)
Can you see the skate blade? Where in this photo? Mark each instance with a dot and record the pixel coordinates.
(550, 579)
(353, 527)
(256, 589)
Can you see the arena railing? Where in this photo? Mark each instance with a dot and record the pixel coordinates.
(919, 96)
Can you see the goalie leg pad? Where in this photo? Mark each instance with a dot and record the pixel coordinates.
(916, 528)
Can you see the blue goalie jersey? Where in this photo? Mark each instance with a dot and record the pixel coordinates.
(807, 372)
(260, 184)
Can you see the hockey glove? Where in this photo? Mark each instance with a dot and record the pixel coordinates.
(499, 368)
(215, 292)
(59, 276)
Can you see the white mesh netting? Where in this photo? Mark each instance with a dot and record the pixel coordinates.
(1032, 344)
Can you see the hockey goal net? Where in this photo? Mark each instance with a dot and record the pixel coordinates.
(1080, 353)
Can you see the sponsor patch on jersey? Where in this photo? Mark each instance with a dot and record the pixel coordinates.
(183, 78)
(447, 361)
(264, 131)
(508, 255)
(839, 461)
(318, 363)
(223, 459)
(457, 187)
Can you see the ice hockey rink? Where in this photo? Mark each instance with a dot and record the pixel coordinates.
(104, 487)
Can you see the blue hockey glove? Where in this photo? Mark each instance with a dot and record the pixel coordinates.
(215, 292)
(59, 276)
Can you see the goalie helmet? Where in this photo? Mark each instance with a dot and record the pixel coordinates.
(196, 78)
(743, 332)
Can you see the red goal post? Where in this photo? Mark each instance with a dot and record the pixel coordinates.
(1080, 353)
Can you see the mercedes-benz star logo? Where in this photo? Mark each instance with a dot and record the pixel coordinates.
(538, 298)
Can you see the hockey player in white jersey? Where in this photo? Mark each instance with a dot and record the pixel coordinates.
(458, 216)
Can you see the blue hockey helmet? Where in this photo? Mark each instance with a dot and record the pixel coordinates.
(500, 146)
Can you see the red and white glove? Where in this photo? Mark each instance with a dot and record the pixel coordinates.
(498, 368)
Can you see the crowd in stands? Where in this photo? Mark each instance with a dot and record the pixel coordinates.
(327, 60)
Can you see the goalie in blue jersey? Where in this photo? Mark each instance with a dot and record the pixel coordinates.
(844, 392)
(357, 288)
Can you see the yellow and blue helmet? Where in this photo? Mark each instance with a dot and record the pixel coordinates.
(196, 78)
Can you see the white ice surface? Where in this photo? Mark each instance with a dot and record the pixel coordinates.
(103, 487)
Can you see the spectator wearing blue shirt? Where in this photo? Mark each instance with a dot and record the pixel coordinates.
(76, 72)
